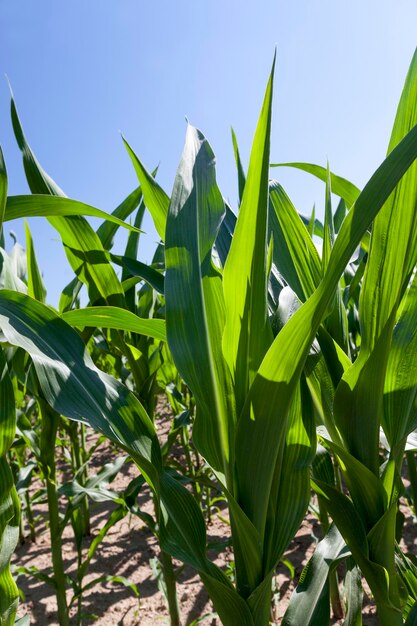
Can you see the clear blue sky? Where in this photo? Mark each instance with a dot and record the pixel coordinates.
(84, 70)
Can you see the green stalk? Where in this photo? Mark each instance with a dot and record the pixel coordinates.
(78, 456)
(50, 421)
(171, 588)
(170, 580)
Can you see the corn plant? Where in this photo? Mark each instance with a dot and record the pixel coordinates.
(378, 388)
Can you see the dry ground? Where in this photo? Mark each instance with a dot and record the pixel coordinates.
(127, 550)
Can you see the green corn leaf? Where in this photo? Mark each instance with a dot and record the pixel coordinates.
(225, 234)
(3, 190)
(340, 214)
(83, 247)
(407, 570)
(329, 234)
(90, 261)
(194, 298)
(310, 226)
(290, 491)
(247, 334)
(314, 227)
(70, 294)
(354, 594)
(143, 271)
(155, 197)
(131, 250)
(366, 490)
(107, 230)
(247, 549)
(39, 205)
(36, 286)
(340, 186)
(381, 540)
(183, 535)
(231, 608)
(322, 467)
(296, 255)
(114, 317)
(241, 176)
(259, 600)
(336, 323)
(37, 178)
(310, 602)
(105, 233)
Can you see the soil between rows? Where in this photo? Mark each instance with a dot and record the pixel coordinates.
(127, 551)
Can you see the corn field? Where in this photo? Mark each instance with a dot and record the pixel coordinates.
(284, 350)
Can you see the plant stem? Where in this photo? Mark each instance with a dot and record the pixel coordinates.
(79, 454)
(50, 420)
(171, 587)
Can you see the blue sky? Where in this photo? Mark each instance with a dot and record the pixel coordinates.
(84, 70)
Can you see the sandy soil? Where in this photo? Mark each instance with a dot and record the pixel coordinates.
(127, 550)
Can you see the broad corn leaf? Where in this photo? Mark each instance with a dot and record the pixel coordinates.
(340, 186)
(290, 491)
(194, 298)
(83, 247)
(247, 334)
(90, 261)
(41, 205)
(336, 323)
(114, 317)
(296, 256)
(131, 250)
(310, 602)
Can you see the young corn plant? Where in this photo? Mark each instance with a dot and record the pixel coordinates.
(377, 388)
(254, 421)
